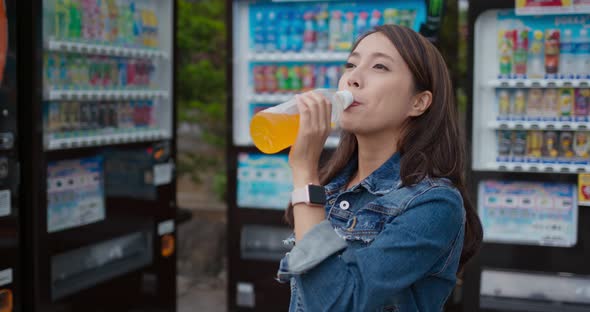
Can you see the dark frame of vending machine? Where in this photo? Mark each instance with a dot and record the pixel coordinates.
(512, 257)
(11, 247)
(144, 281)
(270, 295)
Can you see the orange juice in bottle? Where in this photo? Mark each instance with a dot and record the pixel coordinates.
(275, 128)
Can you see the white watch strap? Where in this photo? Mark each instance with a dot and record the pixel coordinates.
(300, 195)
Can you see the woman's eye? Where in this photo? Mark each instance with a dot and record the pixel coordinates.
(349, 65)
(380, 66)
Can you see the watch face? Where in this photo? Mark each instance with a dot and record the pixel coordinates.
(317, 194)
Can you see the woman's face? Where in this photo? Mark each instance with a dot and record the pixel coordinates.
(381, 84)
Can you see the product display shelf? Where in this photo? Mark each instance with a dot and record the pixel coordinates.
(60, 141)
(537, 167)
(538, 83)
(266, 98)
(540, 125)
(298, 56)
(91, 95)
(102, 49)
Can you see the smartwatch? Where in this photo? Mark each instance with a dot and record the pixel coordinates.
(310, 194)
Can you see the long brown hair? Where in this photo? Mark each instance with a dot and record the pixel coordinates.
(431, 144)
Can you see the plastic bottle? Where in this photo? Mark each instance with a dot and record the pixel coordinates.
(309, 33)
(322, 31)
(375, 18)
(361, 24)
(566, 59)
(75, 27)
(271, 32)
(506, 51)
(275, 128)
(283, 31)
(391, 17)
(536, 61)
(259, 35)
(552, 38)
(347, 33)
(583, 55)
(521, 52)
(335, 27)
(62, 17)
(297, 27)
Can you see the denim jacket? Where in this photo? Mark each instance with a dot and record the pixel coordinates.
(382, 247)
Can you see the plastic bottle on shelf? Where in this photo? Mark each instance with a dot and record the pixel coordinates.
(535, 66)
(295, 78)
(122, 70)
(309, 32)
(258, 32)
(307, 77)
(63, 80)
(275, 128)
(332, 74)
(131, 73)
(521, 52)
(567, 57)
(362, 24)
(75, 25)
(137, 24)
(566, 102)
(105, 22)
(50, 66)
(582, 104)
(552, 37)
(271, 32)
(375, 18)
(297, 27)
(76, 72)
(284, 28)
(270, 79)
(282, 75)
(391, 17)
(335, 28)
(583, 55)
(347, 37)
(87, 19)
(125, 23)
(322, 35)
(506, 51)
(259, 78)
(61, 23)
(320, 80)
(113, 13)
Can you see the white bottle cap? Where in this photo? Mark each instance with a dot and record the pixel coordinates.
(345, 97)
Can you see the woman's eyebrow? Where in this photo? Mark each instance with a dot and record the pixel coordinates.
(374, 55)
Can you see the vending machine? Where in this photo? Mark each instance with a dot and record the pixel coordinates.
(530, 155)
(278, 49)
(10, 259)
(98, 214)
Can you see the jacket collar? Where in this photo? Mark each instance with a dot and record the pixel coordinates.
(379, 182)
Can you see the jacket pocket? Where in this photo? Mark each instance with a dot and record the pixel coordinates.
(365, 224)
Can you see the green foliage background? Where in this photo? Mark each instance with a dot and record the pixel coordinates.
(201, 86)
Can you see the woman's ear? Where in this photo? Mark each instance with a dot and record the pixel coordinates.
(420, 103)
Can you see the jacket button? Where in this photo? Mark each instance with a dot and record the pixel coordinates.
(344, 205)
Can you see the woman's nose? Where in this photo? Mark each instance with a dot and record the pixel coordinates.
(353, 81)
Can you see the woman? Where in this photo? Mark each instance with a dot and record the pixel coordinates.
(397, 225)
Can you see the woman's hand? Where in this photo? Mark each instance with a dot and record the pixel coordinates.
(314, 127)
